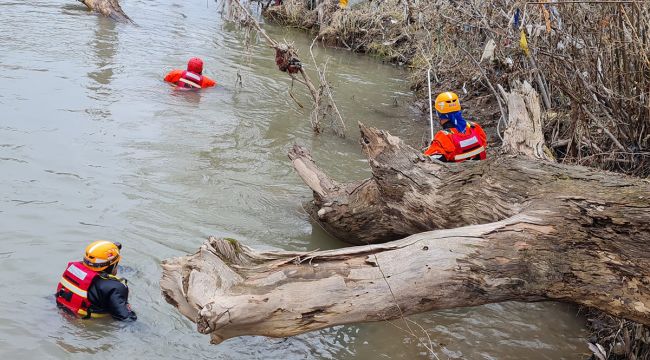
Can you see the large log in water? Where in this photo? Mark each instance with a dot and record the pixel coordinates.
(108, 8)
(567, 233)
(588, 251)
(542, 231)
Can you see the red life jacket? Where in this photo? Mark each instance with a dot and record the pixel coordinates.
(72, 292)
(190, 80)
(467, 145)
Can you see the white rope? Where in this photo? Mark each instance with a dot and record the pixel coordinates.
(430, 104)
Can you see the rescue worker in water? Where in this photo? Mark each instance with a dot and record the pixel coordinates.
(192, 78)
(91, 289)
(459, 140)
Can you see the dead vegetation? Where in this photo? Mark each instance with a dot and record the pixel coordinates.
(617, 339)
(288, 61)
(588, 60)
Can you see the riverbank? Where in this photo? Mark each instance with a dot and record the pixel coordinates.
(592, 73)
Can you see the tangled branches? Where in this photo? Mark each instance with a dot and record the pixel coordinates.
(588, 61)
(613, 338)
(287, 60)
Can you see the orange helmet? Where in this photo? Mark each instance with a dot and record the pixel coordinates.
(101, 254)
(447, 102)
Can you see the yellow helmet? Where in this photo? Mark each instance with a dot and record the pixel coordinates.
(102, 254)
(447, 102)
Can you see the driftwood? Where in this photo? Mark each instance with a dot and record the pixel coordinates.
(543, 231)
(108, 8)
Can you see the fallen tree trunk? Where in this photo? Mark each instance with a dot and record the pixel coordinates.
(408, 194)
(591, 253)
(542, 231)
(108, 8)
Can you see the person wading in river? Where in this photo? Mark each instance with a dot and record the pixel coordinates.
(459, 140)
(91, 289)
(191, 78)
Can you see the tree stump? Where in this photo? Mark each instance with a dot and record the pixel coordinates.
(108, 8)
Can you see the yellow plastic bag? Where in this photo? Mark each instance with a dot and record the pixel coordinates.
(523, 42)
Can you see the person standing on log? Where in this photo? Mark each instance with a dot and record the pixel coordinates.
(192, 78)
(91, 289)
(459, 140)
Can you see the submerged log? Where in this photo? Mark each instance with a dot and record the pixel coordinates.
(541, 231)
(108, 8)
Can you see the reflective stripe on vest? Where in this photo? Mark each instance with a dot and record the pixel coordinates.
(467, 144)
(469, 154)
(191, 79)
(72, 291)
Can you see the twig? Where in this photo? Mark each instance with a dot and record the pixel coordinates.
(496, 95)
(406, 322)
(255, 24)
(290, 52)
(293, 97)
(540, 83)
(605, 130)
(325, 86)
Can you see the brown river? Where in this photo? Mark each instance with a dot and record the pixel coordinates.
(93, 145)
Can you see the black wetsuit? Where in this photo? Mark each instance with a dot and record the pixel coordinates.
(109, 295)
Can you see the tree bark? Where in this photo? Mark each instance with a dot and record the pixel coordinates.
(524, 134)
(537, 231)
(108, 8)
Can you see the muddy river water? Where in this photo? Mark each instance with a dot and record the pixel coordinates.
(94, 145)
